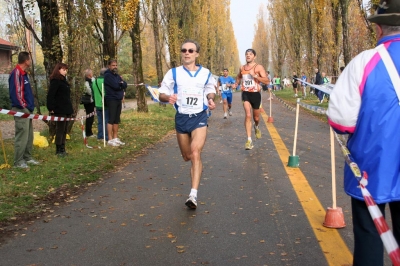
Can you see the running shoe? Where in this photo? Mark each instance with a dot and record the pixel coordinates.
(32, 161)
(112, 143)
(191, 202)
(22, 165)
(118, 141)
(258, 132)
(230, 112)
(249, 145)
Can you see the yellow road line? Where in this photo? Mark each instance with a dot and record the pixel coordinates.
(334, 248)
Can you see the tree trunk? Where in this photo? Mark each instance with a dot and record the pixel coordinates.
(157, 44)
(137, 63)
(50, 42)
(336, 33)
(344, 5)
(109, 50)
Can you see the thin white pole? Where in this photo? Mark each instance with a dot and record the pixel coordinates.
(103, 107)
(270, 104)
(295, 128)
(333, 168)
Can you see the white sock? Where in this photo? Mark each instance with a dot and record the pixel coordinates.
(225, 114)
(249, 138)
(193, 192)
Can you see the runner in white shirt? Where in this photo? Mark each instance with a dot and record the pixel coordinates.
(191, 89)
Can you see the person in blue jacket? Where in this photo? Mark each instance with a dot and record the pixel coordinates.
(22, 100)
(365, 104)
(114, 87)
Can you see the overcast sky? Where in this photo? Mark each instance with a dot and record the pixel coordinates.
(243, 17)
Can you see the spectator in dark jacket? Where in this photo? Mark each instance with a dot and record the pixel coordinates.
(114, 93)
(59, 104)
(89, 107)
(22, 101)
(318, 81)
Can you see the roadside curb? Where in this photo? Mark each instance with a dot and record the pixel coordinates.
(313, 108)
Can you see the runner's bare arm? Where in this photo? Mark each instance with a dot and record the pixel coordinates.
(167, 98)
(261, 75)
(238, 77)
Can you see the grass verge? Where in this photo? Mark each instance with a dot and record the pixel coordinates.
(24, 192)
(287, 95)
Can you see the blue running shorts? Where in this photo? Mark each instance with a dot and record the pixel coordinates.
(227, 96)
(185, 124)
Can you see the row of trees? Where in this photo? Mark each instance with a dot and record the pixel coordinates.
(303, 34)
(144, 35)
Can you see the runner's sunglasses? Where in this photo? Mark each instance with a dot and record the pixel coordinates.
(191, 51)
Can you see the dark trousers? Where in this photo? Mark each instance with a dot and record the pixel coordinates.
(61, 130)
(320, 94)
(368, 246)
(89, 108)
(100, 133)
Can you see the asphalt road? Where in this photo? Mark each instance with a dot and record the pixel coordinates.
(249, 213)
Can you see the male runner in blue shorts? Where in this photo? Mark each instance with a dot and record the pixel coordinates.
(227, 83)
(250, 76)
(191, 89)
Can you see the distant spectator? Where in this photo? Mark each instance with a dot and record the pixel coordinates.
(303, 85)
(59, 104)
(114, 86)
(286, 82)
(277, 83)
(318, 81)
(98, 92)
(89, 107)
(295, 83)
(22, 100)
(325, 81)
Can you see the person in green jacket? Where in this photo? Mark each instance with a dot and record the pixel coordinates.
(98, 92)
(277, 84)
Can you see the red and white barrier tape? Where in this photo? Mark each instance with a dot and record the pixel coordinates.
(384, 231)
(43, 117)
(84, 136)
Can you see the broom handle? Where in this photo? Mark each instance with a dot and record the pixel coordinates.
(270, 104)
(295, 128)
(333, 168)
(2, 146)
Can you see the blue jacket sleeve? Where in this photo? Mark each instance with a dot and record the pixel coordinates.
(15, 90)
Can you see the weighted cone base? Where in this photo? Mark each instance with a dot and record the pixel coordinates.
(334, 218)
(270, 119)
(293, 161)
